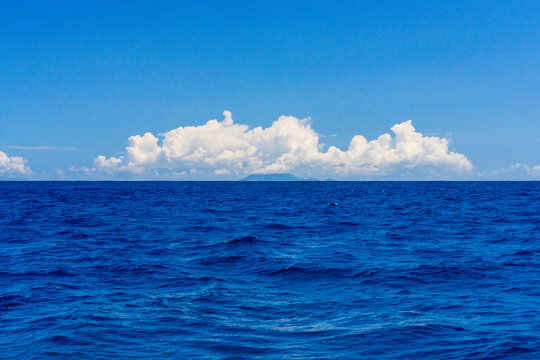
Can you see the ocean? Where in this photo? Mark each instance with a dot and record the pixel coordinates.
(269, 270)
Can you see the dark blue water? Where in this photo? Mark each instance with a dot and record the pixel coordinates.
(297, 270)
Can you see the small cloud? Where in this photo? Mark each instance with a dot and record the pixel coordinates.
(532, 170)
(517, 171)
(14, 165)
(103, 163)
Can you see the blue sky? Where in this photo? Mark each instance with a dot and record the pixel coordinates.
(80, 78)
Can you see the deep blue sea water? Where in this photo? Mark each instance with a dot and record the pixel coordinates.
(269, 270)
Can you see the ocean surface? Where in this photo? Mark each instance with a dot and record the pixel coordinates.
(269, 270)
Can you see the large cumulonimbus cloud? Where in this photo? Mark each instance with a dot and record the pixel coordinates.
(289, 145)
(14, 165)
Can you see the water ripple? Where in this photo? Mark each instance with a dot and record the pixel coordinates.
(370, 270)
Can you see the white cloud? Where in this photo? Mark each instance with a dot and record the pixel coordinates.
(289, 145)
(14, 165)
(101, 162)
(518, 171)
(531, 170)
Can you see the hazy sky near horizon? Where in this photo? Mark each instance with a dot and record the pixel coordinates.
(110, 90)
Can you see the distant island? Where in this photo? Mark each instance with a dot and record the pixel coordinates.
(275, 177)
